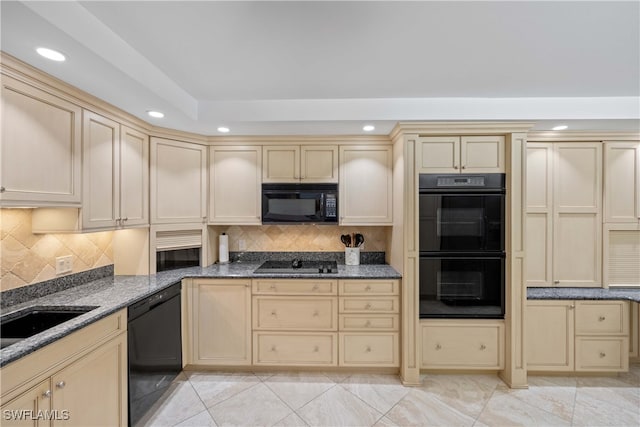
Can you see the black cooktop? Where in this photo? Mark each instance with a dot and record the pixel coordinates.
(297, 267)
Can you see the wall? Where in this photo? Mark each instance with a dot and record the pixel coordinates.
(27, 258)
(301, 238)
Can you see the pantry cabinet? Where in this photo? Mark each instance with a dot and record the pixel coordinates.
(295, 163)
(235, 185)
(365, 185)
(564, 214)
(461, 154)
(581, 336)
(219, 312)
(41, 148)
(178, 182)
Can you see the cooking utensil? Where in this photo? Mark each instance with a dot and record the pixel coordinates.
(359, 240)
(346, 240)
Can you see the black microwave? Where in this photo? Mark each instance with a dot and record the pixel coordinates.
(299, 203)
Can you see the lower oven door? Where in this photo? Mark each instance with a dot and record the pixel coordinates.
(464, 286)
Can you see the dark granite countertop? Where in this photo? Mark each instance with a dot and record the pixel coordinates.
(631, 294)
(113, 293)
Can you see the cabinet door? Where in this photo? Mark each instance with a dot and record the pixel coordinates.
(539, 225)
(482, 154)
(40, 150)
(235, 185)
(93, 389)
(621, 254)
(281, 163)
(319, 163)
(549, 335)
(221, 322)
(178, 181)
(577, 239)
(101, 166)
(622, 182)
(439, 154)
(23, 410)
(365, 185)
(134, 177)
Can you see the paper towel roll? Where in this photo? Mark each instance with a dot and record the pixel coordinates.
(223, 251)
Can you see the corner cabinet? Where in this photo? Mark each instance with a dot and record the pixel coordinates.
(300, 163)
(44, 132)
(235, 185)
(461, 154)
(178, 182)
(366, 185)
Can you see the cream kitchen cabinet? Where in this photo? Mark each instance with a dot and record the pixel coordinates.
(219, 317)
(622, 182)
(582, 336)
(178, 182)
(621, 255)
(80, 379)
(295, 163)
(564, 214)
(462, 344)
(461, 154)
(365, 185)
(235, 185)
(41, 148)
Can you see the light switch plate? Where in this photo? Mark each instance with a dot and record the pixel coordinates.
(64, 264)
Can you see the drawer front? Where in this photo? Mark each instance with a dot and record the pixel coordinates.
(295, 287)
(374, 349)
(273, 348)
(602, 317)
(369, 305)
(369, 287)
(462, 347)
(602, 354)
(295, 313)
(365, 322)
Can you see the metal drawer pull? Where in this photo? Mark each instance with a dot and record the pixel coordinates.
(316, 314)
(464, 167)
(483, 347)
(272, 287)
(367, 307)
(368, 288)
(61, 384)
(273, 312)
(46, 394)
(316, 349)
(438, 347)
(368, 349)
(455, 167)
(556, 282)
(273, 348)
(602, 354)
(315, 287)
(601, 319)
(368, 324)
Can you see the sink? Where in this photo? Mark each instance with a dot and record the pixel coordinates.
(33, 320)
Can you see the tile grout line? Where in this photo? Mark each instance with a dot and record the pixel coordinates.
(359, 398)
(477, 419)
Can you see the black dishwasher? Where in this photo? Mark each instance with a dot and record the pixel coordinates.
(154, 348)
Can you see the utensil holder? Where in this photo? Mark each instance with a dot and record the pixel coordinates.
(352, 256)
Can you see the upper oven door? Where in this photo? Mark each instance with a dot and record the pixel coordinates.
(292, 203)
(461, 222)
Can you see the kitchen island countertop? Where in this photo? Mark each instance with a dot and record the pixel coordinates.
(114, 293)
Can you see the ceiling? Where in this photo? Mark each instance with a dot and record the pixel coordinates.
(327, 68)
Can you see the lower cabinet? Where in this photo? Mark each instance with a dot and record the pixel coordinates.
(462, 344)
(80, 380)
(582, 336)
(295, 348)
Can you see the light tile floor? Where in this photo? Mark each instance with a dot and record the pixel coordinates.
(336, 399)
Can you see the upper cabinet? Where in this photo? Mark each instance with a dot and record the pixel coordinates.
(235, 185)
(178, 182)
(295, 163)
(40, 149)
(465, 154)
(564, 214)
(622, 182)
(134, 178)
(365, 193)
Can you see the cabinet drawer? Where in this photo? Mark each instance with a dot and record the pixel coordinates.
(365, 322)
(274, 348)
(369, 305)
(295, 287)
(363, 349)
(295, 313)
(602, 354)
(602, 317)
(458, 346)
(368, 287)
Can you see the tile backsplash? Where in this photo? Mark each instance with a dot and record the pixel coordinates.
(300, 238)
(27, 258)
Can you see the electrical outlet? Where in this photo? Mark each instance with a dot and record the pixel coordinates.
(242, 245)
(64, 264)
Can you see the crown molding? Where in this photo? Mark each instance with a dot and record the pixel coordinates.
(459, 128)
(557, 136)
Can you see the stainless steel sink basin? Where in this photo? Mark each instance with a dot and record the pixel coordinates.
(33, 320)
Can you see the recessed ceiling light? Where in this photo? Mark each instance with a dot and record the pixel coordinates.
(155, 114)
(368, 128)
(561, 127)
(51, 54)
(223, 129)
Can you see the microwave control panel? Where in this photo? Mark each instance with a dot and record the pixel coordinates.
(331, 206)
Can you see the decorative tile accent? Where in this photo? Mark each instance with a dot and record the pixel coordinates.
(28, 258)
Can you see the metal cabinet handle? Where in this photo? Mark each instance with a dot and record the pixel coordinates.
(601, 319)
(603, 354)
(455, 167)
(464, 167)
(315, 287)
(273, 312)
(125, 218)
(272, 287)
(438, 347)
(46, 394)
(367, 307)
(61, 384)
(368, 324)
(316, 349)
(483, 347)
(571, 307)
(2, 189)
(273, 348)
(368, 349)
(316, 314)
(367, 288)
(556, 282)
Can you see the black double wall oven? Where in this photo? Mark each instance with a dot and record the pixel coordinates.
(462, 252)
